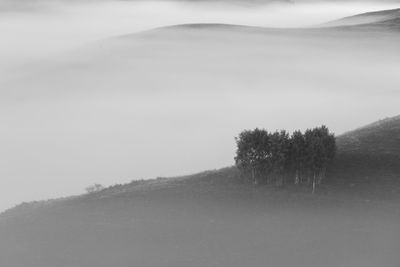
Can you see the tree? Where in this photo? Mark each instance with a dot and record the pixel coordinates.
(252, 152)
(272, 156)
(94, 188)
(296, 158)
(278, 155)
(320, 150)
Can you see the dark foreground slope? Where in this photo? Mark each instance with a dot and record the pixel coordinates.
(369, 157)
(204, 220)
(212, 219)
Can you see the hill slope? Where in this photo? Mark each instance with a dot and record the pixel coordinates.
(192, 222)
(385, 19)
(369, 159)
(381, 137)
(211, 219)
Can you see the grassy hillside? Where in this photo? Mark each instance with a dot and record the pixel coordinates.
(370, 153)
(381, 137)
(368, 161)
(209, 219)
(215, 218)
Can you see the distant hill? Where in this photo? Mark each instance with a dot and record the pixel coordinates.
(384, 19)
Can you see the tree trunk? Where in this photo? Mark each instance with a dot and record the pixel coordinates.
(313, 184)
(297, 179)
(321, 176)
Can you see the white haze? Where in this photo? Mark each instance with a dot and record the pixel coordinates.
(76, 109)
(50, 29)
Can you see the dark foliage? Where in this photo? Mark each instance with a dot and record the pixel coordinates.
(276, 157)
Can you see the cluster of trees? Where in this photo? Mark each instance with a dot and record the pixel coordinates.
(94, 188)
(280, 158)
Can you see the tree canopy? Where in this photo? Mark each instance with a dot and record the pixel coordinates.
(280, 158)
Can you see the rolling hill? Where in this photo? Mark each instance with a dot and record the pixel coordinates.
(378, 20)
(369, 159)
(215, 218)
(370, 153)
(378, 138)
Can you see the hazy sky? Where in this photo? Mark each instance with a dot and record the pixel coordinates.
(79, 106)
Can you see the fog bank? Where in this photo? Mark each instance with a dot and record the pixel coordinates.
(50, 29)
